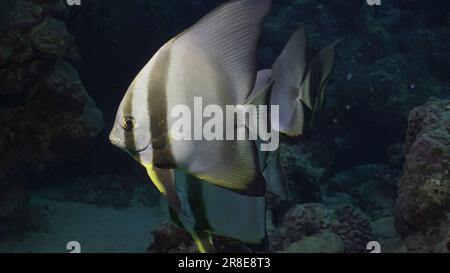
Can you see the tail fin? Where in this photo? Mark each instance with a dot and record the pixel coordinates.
(299, 87)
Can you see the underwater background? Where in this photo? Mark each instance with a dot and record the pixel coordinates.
(376, 168)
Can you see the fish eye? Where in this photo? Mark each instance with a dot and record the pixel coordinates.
(128, 123)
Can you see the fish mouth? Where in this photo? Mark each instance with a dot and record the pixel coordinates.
(135, 152)
(118, 143)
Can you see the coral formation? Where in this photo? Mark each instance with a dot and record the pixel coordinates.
(305, 228)
(302, 172)
(170, 238)
(372, 186)
(300, 221)
(447, 242)
(46, 114)
(50, 39)
(353, 228)
(383, 228)
(424, 189)
(324, 242)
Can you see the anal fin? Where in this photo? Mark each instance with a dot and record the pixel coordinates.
(203, 241)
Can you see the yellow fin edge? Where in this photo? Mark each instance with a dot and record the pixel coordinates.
(154, 177)
(203, 245)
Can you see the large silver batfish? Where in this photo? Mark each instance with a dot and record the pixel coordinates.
(219, 186)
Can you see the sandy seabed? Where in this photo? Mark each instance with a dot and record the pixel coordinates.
(97, 229)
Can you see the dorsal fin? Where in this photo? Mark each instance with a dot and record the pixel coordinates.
(315, 83)
(288, 74)
(263, 80)
(229, 37)
(289, 68)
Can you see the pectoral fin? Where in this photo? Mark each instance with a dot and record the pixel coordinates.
(238, 170)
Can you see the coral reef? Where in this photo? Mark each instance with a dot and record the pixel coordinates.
(50, 39)
(324, 242)
(424, 189)
(353, 228)
(384, 229)
(46, 114)
(381, 72)
(303, 173)
(300, 221)
(372, 186)
(447, 242)
(305, 228)
(170, 238)
(24, 14)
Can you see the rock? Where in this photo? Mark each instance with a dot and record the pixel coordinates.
(424, 188)
(64, 87)
(170, 238)
(45, 111)
(300, 221)
(325, 242)
(372, 186)
(51, 39)
(302, 172)
(354, 228)
(5, 54)
(26, 14)
(383, 228)
(5, 14)
(338, 199)
(447, 242)
(395, 245)
(55, 8)
(396, 156)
